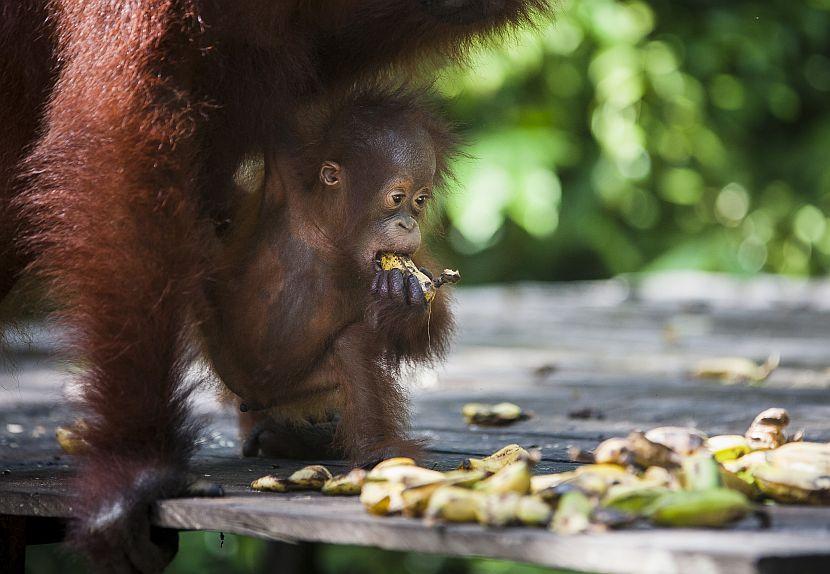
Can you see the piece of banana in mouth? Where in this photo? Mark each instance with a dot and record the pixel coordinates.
(389, 261)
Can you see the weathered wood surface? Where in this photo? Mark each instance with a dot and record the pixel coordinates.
(623, 351)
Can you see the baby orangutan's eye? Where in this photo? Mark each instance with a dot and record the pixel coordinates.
(395, 199)
(421, 200)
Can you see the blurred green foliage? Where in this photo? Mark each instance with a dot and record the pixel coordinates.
(636, 136)
(207, 553)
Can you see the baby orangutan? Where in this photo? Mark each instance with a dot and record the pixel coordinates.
(331, 326)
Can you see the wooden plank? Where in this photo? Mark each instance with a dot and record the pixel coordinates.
(339, 521)
(609, 349)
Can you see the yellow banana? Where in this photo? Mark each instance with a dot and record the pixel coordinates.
(515, 477)
(453, 504)
(728, 446)
(533, 511)
(746, 463)
(390, 261)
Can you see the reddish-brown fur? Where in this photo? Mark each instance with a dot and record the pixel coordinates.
(123, 123)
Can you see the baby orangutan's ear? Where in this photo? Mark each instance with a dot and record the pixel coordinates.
(330, 173)
(249, 176)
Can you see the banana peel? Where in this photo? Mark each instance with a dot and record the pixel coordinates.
(416, 498)
(767, 430)
(382, 497)
(795, 473)
(682, 440)
(542, 482)
(405, 474)
(70, 438)
(793, 485)
(736, 369)
(614, 450)
(807, 456)
(396, 461)
(646, 453)
(307, 478)
(500, 414)
(499, 459)
(348, 484)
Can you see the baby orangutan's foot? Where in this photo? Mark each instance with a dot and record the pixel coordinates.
(371, 455)
(301, 441)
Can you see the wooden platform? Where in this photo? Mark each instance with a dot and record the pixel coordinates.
(617, 351)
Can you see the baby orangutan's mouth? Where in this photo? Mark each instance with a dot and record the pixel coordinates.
(387, 256)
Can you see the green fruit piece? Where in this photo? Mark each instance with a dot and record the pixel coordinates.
(573, 513)
(703, 508)
(700, 472)
(632, 498)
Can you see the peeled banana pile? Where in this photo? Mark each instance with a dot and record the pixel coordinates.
(668, 476)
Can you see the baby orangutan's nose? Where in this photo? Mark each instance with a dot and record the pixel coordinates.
(407, 222)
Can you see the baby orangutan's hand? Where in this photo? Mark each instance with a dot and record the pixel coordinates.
(399, 286)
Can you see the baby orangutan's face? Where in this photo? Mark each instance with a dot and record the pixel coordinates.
(390, 187)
